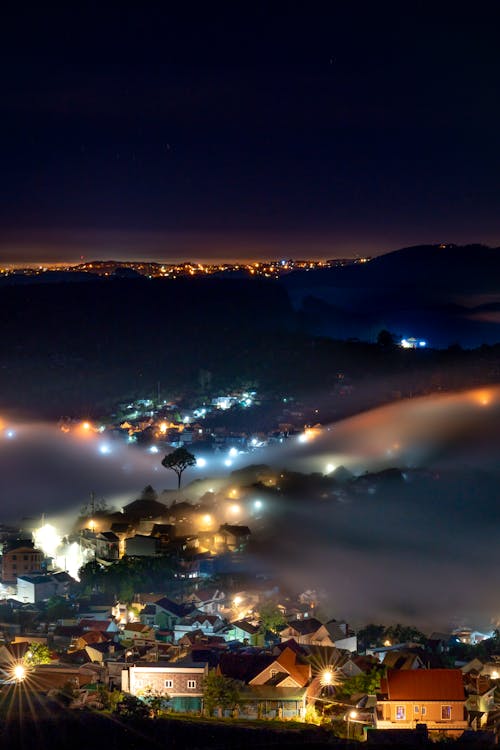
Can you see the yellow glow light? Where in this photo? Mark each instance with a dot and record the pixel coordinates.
(19, 672)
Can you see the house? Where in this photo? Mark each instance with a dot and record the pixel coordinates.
(288, 669)
(89, 638)
(182, 681)
(231, 537)
(140, 634)
(208, 624)
(402, 660)
(32, 589)
(209, 600)
(310, 632)
(109, 627)
(435, 697)
(247, 633)
(276, 685)
(342, 635)
(165, 613)
(20, 558)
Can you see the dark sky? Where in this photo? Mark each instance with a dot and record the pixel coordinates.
(245, 132)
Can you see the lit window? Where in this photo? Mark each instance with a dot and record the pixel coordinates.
(169, 683)
(400, 713)
(445, 713)
(191, 683)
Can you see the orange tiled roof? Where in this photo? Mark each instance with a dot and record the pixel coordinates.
(425, 684)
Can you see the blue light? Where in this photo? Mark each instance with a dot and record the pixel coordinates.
(104, 449)
(422, 343)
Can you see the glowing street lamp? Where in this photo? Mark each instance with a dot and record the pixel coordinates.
(19, 672)
(351, 716)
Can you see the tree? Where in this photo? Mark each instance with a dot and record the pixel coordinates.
(361, 683)
(219, 693)
(58, 607)
(38, 654)
(179, 460)
(131, 707)
(371, 636)
(402, 633)
(271, 618)
(155, 701)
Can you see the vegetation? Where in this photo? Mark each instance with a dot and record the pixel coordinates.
(178, 461)
(219, 693)
(126, 576)
(38, 654)
(271, 618)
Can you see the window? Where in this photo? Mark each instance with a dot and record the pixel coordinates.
(169, 683)
(415, 709)
(273, 672)
(424, 710)
(445, 713)
(191, 683)
(400, 713)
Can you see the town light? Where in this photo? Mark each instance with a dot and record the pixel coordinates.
(228, 462)
(327, 677)
(19, 672)
(257, 504)
(353, 714)
(153, 449)
(201, 462)
(233, 452)
(329, 468)
(237, 601)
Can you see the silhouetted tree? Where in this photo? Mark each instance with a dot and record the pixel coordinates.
(179, 460)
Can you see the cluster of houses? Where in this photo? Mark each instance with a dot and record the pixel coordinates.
(169, 646)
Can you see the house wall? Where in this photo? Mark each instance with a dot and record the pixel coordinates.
(431, 716)
(20, 561)
(138, 679)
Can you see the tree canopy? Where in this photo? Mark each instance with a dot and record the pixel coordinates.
(219, 693)
(178, 461)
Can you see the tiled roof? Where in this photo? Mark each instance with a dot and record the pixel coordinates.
(101, 625)
(304, 627)
(246, 626)
(425, 684)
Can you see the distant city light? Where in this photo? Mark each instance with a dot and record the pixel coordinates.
(154, 449)
(233, 452)
(235, 509)
(10, 433)
(257, 504)
(254, 441)
(329, 468)
(104, 449)
(86, 426)
(228, 462)
(207, 519)
(201, 462)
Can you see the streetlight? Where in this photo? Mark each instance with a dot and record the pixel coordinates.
(19, 672)
(350, 716)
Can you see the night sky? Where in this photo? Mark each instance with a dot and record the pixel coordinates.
(248, 133)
